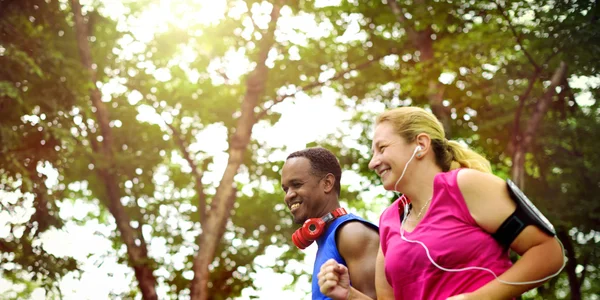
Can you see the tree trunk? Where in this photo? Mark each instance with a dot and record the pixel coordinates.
(197, 172)
(516, 133)
(518, 165)
(136, 247)
(574, 283)
(220, 210)
(520, 149)
(422, 41)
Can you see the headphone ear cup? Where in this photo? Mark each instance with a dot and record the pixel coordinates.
(308, 233)
(299, 240)
(313, 228)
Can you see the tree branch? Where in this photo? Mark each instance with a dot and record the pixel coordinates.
(316, 84)
(516, 137)
(544, 102)
(551, 56)
(138, 255)
(197, 173)
(586, 261)
(594, 15)
(397, 10)
(140, 219)
(224, 198)
(570, 93)
(517, 37)
(7, 209)
(520, 148)
(571, 266)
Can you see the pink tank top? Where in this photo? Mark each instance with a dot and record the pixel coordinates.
(454, 241)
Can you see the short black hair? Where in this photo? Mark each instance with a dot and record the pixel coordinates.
(322, 162)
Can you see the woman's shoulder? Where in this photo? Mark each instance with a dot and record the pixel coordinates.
(470, 179)
(465, 178)
(390, 212)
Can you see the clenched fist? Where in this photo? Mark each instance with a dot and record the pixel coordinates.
(334, 280)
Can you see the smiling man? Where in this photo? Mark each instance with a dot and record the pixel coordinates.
(310, 179)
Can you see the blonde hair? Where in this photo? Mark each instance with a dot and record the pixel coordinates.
(408, 122)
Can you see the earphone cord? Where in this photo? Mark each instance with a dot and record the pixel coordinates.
(479, 268)
(404, 171)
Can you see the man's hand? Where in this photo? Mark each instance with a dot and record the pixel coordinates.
(334, 280)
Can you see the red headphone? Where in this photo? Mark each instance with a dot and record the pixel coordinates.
(313, 228)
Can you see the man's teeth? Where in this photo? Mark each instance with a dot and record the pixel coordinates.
(294, 206)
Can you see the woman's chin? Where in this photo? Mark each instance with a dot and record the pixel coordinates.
(388, 186)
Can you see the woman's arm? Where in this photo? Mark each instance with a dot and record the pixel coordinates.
(490, 204)
(382, 286)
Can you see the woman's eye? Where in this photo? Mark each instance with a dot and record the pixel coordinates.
(382, 148)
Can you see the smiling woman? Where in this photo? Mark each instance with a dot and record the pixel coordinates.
(438, 240)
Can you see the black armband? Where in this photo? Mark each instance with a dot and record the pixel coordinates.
(526, 214)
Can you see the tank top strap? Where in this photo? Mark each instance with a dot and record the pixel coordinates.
(447, 194)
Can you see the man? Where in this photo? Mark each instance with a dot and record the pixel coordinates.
(310, 179)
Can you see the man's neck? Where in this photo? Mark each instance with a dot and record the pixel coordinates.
(331, 205)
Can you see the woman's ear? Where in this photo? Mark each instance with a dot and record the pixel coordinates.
(424, 142)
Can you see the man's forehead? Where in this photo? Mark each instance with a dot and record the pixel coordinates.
(297, 162)
(296, 168)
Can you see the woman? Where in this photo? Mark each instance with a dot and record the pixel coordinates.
(440, 246)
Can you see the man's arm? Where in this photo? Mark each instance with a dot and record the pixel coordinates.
(358, 244)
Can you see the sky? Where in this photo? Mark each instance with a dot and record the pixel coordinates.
(90, 245)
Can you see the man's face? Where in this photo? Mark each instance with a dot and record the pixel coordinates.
(303, 190)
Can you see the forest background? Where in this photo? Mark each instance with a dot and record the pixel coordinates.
(141, 142)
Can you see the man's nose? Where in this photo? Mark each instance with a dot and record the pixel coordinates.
(289, 196)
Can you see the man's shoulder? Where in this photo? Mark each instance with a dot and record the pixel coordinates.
(356, 234)
(355, 222)
(356, 229)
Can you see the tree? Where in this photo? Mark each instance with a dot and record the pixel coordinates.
(125, 155)
(162, 134)
(32, 134)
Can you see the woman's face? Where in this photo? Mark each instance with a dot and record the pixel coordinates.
(390, 155)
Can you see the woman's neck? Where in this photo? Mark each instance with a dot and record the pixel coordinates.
(420, 187)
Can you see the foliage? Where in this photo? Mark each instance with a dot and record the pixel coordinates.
(174, 98)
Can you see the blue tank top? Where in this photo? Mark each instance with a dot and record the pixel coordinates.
(328, 249)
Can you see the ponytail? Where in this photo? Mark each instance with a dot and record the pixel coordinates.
(408, 122)
(463, 157)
